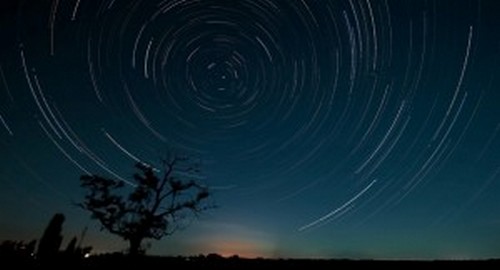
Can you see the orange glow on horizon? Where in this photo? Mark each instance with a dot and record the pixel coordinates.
(241, 248)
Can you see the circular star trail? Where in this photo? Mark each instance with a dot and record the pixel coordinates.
(309, 116)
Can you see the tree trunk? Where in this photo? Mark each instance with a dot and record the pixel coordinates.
(135, 246)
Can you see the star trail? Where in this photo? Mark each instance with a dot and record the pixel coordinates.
(360, 129)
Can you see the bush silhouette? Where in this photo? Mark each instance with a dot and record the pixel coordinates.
(71, 248)
(51, 239)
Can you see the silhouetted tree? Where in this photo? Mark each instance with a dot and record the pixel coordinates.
(51, 238)
(155, 207)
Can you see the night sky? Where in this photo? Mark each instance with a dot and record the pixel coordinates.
(359, 129)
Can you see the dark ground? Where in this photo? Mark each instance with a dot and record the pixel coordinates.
(118, 261)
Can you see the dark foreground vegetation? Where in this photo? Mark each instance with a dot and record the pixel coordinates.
(212, 261)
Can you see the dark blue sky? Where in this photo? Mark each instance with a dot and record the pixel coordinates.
(361, 129)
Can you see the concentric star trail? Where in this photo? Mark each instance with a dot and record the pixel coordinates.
(294, 107)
